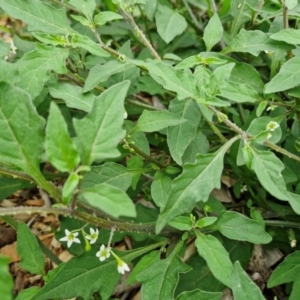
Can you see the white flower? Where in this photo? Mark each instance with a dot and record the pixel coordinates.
(125, 114)
(122, 266)
(12, 48)
(70, 238)
(271, 107)
(244, 189)
(103, 253)
(93, 236)
(271, 126)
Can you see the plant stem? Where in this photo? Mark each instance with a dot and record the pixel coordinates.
(190, 12)
(276, 223)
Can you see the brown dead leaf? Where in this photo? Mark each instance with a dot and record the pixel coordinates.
(11, 252)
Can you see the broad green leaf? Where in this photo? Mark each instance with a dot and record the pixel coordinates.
(160, 189)
(151, 121)
(6, 281)
(180, 136)
(254, 42)
(243, 286)
(86, 43)
(32, 257)
(87, 7)
(110, 173)
(238, 227)
(216, 256)
(60, 149)
(51, 39)
(213, 32)
(35, 67)
(39, 15)
(286, 271)
(27, 293)
(73, 96)
(194, 184)
(83, 275)
(169, 23)
(178, 81)
(198, 294)
(100, 73)
(239, 93)
(106, 16)
(290, 36)
(287, 77)
(291, 4)
(20, 148)
(182, 223)
(160, 278)
(10, 185)
(100, 131)
(206, 221)
(295, 290)
(109, 199)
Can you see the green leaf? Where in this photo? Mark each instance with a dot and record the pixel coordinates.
(216, 256)
(69, 187)
(213, 32)
(6, 281)
(287, 77)
(60, 149)
(20, 148)
(135, 164)
(106, 16)
(100, 73)
(295, 290)
(35, 67)
(83, 275)
(84, 21)
(290, 36)
(86, 43)
(40, 16)
(32, 257)
(51, 39)
(291, 4)
(151, 121)
(160, 279)
(169, 23)
(206, 221)
(180, 136)
(182, 223)
(193, 184)
(239, 93)
(27, 293)
(110, 173)
(73, 96)
(236, 226)
(87, 7)
(261, 107)
(287, 271)
(109, 199)
(198, 294)
(4, 48)
(100, 131)
(10, 185)
(160, 189)
(254, 42)
(243, 286)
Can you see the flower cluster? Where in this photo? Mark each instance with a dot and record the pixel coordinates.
(91, 238)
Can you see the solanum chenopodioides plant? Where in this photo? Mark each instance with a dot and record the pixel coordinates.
(70, 85)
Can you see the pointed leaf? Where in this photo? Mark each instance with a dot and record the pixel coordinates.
(27, 293)
(87, 7)
(151, 121)
(180, 136)
(290, 36)
(194, 184)
(287, 271)
(35, 67)
(73, 96)
(32, 257)
(100, 131)
(20, 148)
(243, 286)
(83, 275)
(238, 227)
(216, 256)
(109, 199)
(169, 23)
(106, 16)
(213, 32)
(39, 15)
(287, 77)
(61, 150)
(239, 93)
(6, 281)
(160, 189)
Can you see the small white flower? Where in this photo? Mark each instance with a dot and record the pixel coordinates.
(125, 114)
(71, 237)
(271, 126)
(293, 243)
(244, 189)
(103, 253)
(93, 236)
(271, 107)
(122, 266)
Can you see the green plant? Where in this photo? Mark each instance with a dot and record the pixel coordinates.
(227, 79)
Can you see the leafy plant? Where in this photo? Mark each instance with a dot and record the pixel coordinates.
(76, 91)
